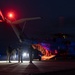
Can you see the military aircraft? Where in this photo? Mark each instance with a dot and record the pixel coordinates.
(12, 24)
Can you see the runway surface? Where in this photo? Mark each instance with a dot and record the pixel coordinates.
(37, 68)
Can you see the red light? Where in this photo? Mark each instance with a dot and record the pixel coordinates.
(11, 15)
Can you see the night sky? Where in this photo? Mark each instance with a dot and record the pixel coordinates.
(56, 16)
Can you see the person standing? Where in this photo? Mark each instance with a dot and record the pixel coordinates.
(19, 54)
(30, 53)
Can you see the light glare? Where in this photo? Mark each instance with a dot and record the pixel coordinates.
(24, 54)
(10, 15)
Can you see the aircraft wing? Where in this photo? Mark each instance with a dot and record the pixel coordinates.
(25, 19)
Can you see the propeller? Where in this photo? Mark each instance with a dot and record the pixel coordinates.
(25, 19)
(4, 19)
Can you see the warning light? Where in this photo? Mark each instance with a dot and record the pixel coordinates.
(11, 15)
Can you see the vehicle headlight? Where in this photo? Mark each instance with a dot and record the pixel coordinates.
(25, 54)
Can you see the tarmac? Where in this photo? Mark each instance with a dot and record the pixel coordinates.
(37, 68)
